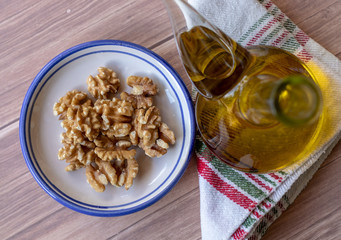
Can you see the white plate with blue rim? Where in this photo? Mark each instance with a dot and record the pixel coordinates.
(40, 130)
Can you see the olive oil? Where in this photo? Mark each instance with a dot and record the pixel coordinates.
(260, 107)
(213, 64)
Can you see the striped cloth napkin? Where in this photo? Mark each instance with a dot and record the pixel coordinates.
(237, 205)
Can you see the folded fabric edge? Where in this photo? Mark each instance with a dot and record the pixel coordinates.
(288, 197)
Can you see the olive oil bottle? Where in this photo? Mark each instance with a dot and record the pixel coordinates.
(259, 107)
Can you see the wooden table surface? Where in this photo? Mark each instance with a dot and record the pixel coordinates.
(33, 32)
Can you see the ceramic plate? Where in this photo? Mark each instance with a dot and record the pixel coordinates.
(40, 130)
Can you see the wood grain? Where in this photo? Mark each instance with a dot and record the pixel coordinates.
(50, 25)
(33, 32)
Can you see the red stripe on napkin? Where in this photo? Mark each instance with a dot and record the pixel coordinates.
(304, 56)
(275, 176)
(260, 183)
(239, 234)
(302, 38)
(264, 29)
(266, 205)
(280, 38)
(268, 5)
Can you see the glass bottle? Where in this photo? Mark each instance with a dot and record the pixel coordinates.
(259, 107)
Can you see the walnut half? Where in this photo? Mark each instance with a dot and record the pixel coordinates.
(147, 122)
(116, 116)
(104, 84)
(120, 170)
(73, 99)
(142, 86)
(159, 148)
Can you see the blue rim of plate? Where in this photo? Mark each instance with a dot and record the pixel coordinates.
(57, 194)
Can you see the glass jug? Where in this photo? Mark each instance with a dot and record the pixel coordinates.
(259, 108)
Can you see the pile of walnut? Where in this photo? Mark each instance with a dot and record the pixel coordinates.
(99, 136)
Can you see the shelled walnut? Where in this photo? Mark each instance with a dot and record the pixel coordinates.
(143, 89)
(147, 122)
(95, 178)
(137, 101)
(76, 155)
(108, 154)
(117, 171)
(72, 133)
(109, 142)
(86, 120)
(166, 137)
(104, 84)
(116, 117)
(72, 98)
(76, 137)
(142, 86)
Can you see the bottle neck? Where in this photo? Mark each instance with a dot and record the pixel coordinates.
(265, 101)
